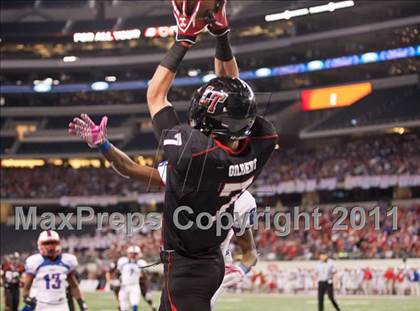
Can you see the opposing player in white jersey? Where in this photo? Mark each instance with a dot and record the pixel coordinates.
(50, 272)
(244, 210)
(130, 270)
(94, 135)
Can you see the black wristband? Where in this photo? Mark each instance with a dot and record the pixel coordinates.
(223, 48)
(174, 56)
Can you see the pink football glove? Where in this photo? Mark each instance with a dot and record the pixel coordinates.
(219, 25)
(188, 26)
(94, 135)
(233, 275)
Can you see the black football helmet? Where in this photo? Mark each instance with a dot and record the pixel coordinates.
(224, 107)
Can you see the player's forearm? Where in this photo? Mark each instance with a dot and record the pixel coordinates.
(223, 69)
(158, 89)
(163, 78)
(76, 292)
(121, 162)
(225, 63)
(231, 68)
(127, 167)
(250, 258)
(108, 277)
(26, 288)
(248, 248)
(219, 69)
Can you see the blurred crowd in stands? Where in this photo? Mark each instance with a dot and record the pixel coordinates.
(55, 182)
(385, 241)
(383, 155)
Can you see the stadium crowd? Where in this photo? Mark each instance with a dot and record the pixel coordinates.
(54, 182)
(384, 155)
(367, 242)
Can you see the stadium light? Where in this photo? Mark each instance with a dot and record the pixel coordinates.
(399, 130)
(29, 163)
(263, 72)
(43, 86)
(331, 7)
(208, 77)
(100, 86)
(110, 78)
(371, 57)
(69, 59)
(288, 14)
(343, 4)
(193, 72)
(315, 65)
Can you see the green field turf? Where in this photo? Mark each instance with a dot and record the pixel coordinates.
(263, 302)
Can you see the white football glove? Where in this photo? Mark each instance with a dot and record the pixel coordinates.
(94, 135)
(234, 274)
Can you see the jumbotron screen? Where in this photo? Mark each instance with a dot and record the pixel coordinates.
(334, 97)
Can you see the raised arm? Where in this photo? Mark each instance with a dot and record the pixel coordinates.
(189, 26)
(224, 61)
(157, 92)
(95, 136)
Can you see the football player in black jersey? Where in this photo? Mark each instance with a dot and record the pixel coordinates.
(212, 160)
(10, 277)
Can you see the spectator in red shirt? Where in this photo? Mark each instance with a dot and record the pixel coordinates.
(367, 278)
(389, 281)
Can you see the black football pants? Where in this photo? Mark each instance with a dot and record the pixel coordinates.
(325, 287)
(11, 297)
(190, 283)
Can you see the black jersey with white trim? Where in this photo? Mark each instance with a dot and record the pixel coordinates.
(208, 177)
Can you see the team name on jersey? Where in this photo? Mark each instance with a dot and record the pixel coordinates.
(243, 168)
